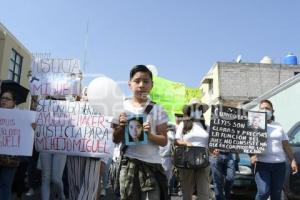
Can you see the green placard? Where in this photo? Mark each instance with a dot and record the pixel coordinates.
(172, 95)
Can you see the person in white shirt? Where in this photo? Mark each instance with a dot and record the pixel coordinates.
(192, 132)
(142, 175)
(270, 167)
(166, 152)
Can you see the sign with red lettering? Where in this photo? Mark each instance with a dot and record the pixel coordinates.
(55, 77)
(72, 128)
(16, 133)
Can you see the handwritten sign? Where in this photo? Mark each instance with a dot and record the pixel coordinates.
(55, 77)
(237, 130)
(16, 133)
(72, 128)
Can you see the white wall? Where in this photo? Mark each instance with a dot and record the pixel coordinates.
(287, 106)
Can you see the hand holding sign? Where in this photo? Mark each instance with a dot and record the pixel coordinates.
(105, 96)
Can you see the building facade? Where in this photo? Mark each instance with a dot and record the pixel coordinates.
(231, 84)
(285, 99)
(15, 59)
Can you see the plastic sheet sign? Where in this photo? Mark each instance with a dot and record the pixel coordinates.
(72, 128)
(55, 77)
(16, 133)
(237, 130)
(172, 95)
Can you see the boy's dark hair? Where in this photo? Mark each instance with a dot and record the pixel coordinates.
(140, 68)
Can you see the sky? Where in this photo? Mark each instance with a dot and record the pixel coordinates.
(182, 38)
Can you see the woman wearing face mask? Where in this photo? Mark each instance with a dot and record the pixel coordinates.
(192, 132)
(270, 167)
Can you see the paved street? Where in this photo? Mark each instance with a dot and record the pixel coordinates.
(109, 196)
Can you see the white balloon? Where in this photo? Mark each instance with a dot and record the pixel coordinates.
(153, 69)
(105, 96)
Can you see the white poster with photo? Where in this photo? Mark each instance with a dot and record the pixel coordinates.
(72, 128)
(55, 77)
(16, 133)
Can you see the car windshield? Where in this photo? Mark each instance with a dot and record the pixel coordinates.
(295, 137)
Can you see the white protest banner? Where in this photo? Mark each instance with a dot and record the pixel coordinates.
(16, 133)
(72, 128)
(55, 77)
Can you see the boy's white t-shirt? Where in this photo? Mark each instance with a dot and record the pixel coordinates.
(197, 135)
(146, 152)
(274, 152)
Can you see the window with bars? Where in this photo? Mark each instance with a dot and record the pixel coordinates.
(15, 66)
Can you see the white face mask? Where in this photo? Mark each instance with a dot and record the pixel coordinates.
(196, 114)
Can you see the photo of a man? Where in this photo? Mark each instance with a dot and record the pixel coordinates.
(257, 121)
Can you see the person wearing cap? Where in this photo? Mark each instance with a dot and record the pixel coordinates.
(192, 132)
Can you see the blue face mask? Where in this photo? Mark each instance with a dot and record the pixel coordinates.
(196, 114)
(268, 112)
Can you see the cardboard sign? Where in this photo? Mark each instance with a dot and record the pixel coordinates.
(72, 128)
(238, 130)
(16, 133)
(55, 77)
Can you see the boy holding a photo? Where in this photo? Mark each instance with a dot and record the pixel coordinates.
(142, 176)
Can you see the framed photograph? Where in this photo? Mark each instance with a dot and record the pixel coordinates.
(134, 132)
(257, 121)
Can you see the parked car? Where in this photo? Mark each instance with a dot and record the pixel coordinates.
(244, 186)
(292, 183)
